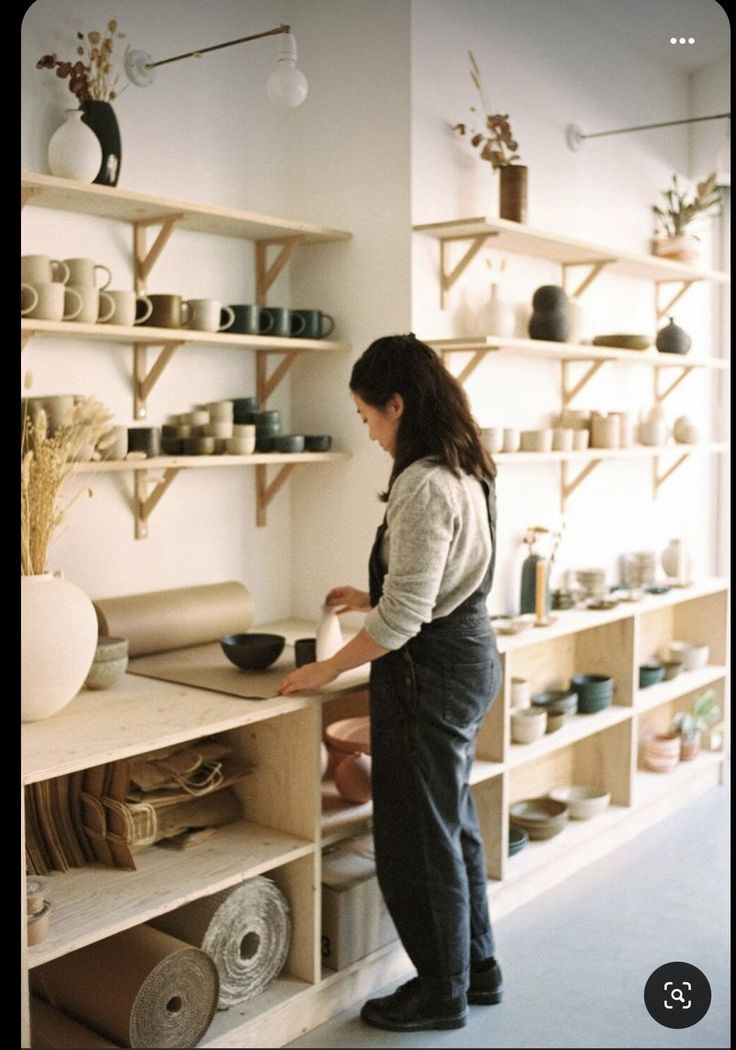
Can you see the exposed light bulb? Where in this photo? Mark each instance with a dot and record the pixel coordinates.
(287, 85)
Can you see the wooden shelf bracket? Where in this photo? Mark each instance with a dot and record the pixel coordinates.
(449, 277)
(568, 483)
(265, 384)
(143, 258)
(145, 502)
(265, 274)
(265, 492)
(470, 366)
(664, 310)
(659, 393)
(570, 391)
(143, 380)
(595, 269)
(659, 479)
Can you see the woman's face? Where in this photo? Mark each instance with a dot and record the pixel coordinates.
(382, 423)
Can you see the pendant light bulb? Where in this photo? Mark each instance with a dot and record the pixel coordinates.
(287, 85)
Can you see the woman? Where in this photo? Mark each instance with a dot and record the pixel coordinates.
(435, 671)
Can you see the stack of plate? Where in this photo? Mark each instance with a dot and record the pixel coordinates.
(540, 817)
(593, 582)
(595, 691)
(645, 567)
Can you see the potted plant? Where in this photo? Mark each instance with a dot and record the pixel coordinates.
(689, 724)
(498, 146)
(674, 240)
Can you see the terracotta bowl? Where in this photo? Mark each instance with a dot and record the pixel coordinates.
(351, 735)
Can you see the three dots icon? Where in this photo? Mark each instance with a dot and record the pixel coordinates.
(682, 40)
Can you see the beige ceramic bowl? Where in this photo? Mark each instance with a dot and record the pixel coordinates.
(562, 438)
(241, 446)
(527, 724)
(583, 802)
(690, 654)
(536, 440)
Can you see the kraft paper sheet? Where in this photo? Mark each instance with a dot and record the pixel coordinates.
(246, 929)
(51, 1029)
(139, 988)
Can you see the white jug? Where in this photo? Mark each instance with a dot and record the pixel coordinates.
(329, 633)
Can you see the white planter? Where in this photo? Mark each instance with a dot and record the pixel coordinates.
(683, 248)
(58, 642)
(74, 151)
(500, 318)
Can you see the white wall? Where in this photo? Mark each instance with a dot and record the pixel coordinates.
(546, 65)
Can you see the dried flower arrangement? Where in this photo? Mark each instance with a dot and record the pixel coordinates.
(92, 76)
(680, 212)
(47, 460)
(497, 143)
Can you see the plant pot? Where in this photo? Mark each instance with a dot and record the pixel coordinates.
(58, 642)
(683, 248)
(662, 752)
(689, 748)
(513, 185)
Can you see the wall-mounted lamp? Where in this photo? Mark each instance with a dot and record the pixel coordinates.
(287, 85)
(575, 137)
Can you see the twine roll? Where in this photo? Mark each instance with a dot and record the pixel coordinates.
(159, 621)
(139, 988)
(246, 930)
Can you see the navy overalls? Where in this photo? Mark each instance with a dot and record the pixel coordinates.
(427, 700)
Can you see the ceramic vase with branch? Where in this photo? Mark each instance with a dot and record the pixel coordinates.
(674, 238)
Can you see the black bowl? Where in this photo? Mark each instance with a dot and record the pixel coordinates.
(253, 652)
(318, 442)
(556, 701)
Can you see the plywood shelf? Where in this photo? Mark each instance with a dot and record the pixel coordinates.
(93, 902)
(650, 787)
(685, 682)
(578, 728)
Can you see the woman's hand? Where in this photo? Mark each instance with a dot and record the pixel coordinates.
(349, 599)
(309, 677)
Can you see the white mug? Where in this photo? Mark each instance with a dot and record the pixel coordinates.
(492, 438)
(84, 271)
(28, 298)
(55, 302)
(207, 315)
(97, 306)
(125, 308)
(41, 269)
(511, 438)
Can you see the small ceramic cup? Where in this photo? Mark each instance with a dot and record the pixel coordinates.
(580, 440)
(520, 693)
(562, 439)
(492, 438)
(511, 439)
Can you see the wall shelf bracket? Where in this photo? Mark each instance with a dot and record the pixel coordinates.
(595, 269)
(265, 384)
(265, 274)
(449, 277)
(144, 259)
(470, 365)
(570, 391)
(265, 492)
(569, 484)
(659, 479)
(143, 380)
(145, 502)
(664, 310)
(659, 393)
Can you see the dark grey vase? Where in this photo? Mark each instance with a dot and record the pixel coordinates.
(550, 319)
(100, 116)
(672, 339)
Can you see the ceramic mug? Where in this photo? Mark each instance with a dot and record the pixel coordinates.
(286, 323)
(129, 309)
(55, 302)
(114, 444)
(251, 320)
(492, 438)
(207, 316)
(169, 311)
(314, 320)
(41, 269)
(97, 306)
(84, 271)
(511, 438)
(28, 298)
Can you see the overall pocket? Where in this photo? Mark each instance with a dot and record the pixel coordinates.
(470, 689)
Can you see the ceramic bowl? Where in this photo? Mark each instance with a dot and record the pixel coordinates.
(528, 724)
(623, 341)
(241, 430)
(541, 817)
(253, 652)
(198, 446)
(104, 673)
(171, 446)
(240, 446)
(690, 654)
(583, 802)
(671, 669)
(289, 443)
(536, 441)
(352, 777)
(317, 442)
(266, 444)
(268, 418)
(650, 674)
(246, 404)
(520, 692)
(518, 838)
(219, 428)
(557, 721)
(350, 735)
(220, 411)
(556, 701)
(110, 647)
(563, 438)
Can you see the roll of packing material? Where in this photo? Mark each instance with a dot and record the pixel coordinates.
(246, 930)
(52, 1029)
(139, 988)
(159, 621)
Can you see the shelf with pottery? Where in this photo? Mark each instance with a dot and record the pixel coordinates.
(579, 727)
(506, 236)
(170, 340)
(147, 473)
(685, 682)
(706, 768)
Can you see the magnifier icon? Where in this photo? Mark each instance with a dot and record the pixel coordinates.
(677, 995)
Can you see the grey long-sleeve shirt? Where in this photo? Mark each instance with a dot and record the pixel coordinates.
(436, 550)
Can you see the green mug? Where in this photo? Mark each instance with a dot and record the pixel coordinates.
(285, 323)
(314, 324)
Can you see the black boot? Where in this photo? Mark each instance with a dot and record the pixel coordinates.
(486, 985)
(412, 1009)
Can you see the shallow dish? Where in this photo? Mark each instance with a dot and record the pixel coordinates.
(652, 588)
(538, 811)
(253, 652)
(623, 341)
(583, 801)
(602, 603)
(510, 625)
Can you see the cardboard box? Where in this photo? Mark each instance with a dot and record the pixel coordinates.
(355, 920)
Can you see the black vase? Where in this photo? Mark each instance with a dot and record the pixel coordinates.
(100, 116)
(549, 319)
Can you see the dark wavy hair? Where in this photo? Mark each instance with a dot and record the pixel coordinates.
(436, 421)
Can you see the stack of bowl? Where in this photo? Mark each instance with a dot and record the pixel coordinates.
(540, 817)
(518, 838)
(110, 662)
(592, 581)
(650, 674)
(560, 705)
(268, 428)
(528, 724)
(583, 801)
(595, 691)
(244, 409)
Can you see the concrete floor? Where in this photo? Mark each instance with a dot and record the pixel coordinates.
(576, 959)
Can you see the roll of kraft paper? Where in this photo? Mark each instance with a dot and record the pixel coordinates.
(139, 988)
(246, 930)
(52, 1029)
(162, 620)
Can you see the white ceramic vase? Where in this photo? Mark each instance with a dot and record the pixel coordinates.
(74, 151)
(329, 634)
(58, 642)
(675, 560)
(500, 318)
